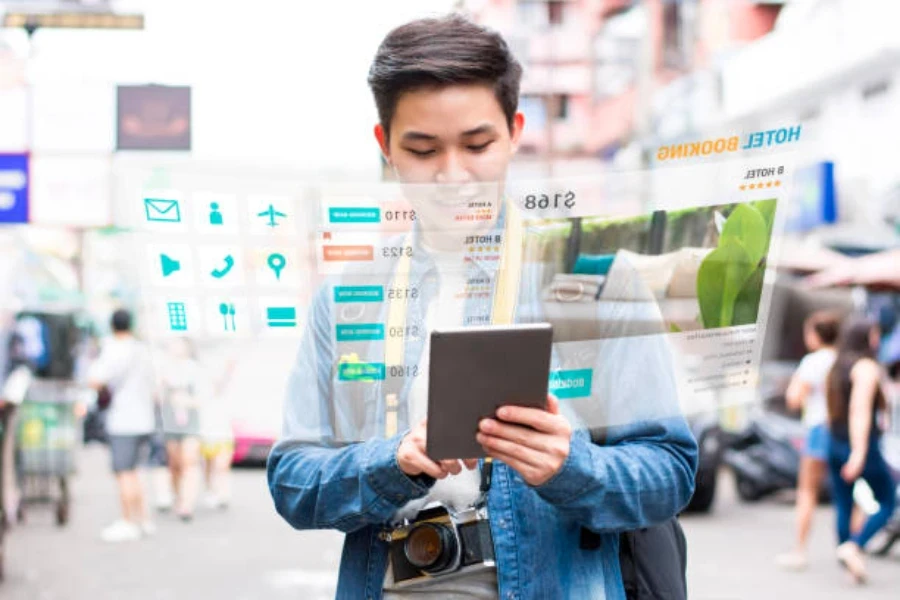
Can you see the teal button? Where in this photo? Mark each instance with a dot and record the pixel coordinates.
(358, 293)
(361, 371)
(362, 332)
(354, 215)
(573, 383)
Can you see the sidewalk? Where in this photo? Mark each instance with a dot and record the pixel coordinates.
(244, 552)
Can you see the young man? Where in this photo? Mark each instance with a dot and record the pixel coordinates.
(447, 94)
(124, 369)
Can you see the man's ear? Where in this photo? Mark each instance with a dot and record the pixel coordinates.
(381, 137)
(515, 134)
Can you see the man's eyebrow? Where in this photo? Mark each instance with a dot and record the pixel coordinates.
(486, 128)
(418, 135)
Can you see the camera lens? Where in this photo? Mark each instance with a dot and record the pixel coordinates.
(430, 547)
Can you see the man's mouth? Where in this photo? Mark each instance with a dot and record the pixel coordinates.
(458, 196)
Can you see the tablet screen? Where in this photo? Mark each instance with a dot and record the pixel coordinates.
(474, 371)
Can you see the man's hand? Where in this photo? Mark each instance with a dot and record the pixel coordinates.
(536, 451)
(413, 461)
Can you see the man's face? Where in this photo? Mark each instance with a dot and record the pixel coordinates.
(456, 137)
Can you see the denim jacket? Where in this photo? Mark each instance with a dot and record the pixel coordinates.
(334, 468)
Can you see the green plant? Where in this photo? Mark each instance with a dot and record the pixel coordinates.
(730, 278)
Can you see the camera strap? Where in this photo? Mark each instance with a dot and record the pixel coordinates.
(487, 472)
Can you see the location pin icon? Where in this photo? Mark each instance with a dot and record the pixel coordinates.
(277, 262)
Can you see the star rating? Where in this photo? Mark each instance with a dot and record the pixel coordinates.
(760, 185)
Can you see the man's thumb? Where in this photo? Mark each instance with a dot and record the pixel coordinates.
(552, 404)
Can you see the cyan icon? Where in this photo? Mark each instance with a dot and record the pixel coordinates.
(169, 265)
(161, 210)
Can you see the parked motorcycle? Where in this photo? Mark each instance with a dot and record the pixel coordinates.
(765, 457)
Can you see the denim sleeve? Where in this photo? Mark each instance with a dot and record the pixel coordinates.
(643, 476)
(316, 487)
(317, 481)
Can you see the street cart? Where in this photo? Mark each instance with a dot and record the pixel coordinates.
(45, 445)
(6, 412)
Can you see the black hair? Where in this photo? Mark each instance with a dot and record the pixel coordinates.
(439, 52)
(826, 324)
(854, 344)
(121, 321)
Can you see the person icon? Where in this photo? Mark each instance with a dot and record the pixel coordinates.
(215, 215)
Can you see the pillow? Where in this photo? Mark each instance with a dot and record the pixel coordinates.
(593, 264)
(683, 283)
(638, 277)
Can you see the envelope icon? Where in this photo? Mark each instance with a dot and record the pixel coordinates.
(163, 211)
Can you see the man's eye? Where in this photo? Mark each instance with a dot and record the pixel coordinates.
(480, 147)
(420, 152)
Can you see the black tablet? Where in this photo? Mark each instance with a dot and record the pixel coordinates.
(473, 371)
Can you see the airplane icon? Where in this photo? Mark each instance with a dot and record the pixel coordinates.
(272, 215)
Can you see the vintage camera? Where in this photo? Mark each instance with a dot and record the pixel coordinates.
(441, 543)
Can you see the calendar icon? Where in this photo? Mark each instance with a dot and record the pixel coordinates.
(177, 316)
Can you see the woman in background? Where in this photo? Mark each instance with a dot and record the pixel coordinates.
(217, 442)
(806, 392)
(183, 390)
(855, 397)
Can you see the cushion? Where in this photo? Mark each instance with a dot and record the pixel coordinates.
(593, 264)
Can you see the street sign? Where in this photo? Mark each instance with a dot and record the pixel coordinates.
(73, 20)
(14, 182)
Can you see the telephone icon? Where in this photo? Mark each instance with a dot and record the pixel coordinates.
(220, 273)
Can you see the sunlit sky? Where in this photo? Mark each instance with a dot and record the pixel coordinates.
(273, 80)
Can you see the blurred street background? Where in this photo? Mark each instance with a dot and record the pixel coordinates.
(92, 88)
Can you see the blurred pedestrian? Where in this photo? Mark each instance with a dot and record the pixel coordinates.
(123, 373)
(806, 393)
(183, 388)
(855, 397)
(217, 442)
(16, 373)
(158, 462)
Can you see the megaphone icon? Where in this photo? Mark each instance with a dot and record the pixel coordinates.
(169, 265)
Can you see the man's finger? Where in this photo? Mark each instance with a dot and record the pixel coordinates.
(498, 446)
(471, 463)
(429, 467)
(536, 418)
(421, 462)
(552, 404)
(517, 434)
(451, 466)
(524, 469)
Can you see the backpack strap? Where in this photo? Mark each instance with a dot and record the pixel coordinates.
(628, 563)
(591, 540)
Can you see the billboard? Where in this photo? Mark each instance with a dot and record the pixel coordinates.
(14, 184)
(153, 117)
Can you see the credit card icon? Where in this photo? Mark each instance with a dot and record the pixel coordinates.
(281, 316)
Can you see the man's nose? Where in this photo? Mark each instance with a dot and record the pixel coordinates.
(453, 169)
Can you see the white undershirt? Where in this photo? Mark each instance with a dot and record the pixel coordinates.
(456, 491)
